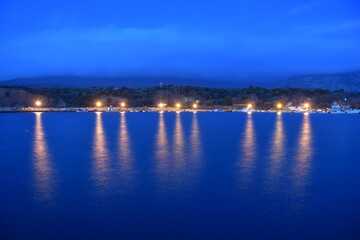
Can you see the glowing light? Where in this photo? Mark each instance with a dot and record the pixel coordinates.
(195, 105)
(306, 105)
(122, 104)
(306, 113)
(161, 105)
(249, 105)
(38, 103)
(279, 105)
(279, 112)
(98, 104)
(178, 105)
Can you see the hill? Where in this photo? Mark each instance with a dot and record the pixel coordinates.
(132, 82)
(350, 82)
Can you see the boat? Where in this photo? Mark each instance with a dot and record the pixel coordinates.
(352, 111)
(81, 110)
(110, 109)
(337, 109)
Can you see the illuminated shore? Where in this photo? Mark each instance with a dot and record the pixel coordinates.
(162, 109)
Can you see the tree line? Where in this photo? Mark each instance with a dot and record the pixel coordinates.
(264, 98)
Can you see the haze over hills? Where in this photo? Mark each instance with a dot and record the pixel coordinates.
(348, 81)
(132, 82)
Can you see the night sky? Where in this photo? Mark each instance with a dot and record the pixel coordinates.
(228, 39)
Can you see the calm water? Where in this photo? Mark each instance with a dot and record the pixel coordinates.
(179, 176)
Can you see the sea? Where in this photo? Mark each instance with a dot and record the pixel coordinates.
(186, 175)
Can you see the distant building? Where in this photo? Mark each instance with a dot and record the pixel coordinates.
(161, 84)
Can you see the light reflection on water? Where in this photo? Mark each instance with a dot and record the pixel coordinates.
(162, 142)
(43, 169)
(178, 158)
(195, 142)
(126, 163)
(279, 184)
(190, 154)
(169, 159)
(277, 151)
(177, 161)
(275, 164)
(303, 157)
(162, 150)
(248, 153)
(101, 166)
(179, 142)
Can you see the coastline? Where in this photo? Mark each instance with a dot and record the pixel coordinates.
(168, 109)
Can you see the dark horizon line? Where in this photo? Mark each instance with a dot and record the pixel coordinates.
(258, 77)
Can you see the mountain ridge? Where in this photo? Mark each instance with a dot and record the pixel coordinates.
(349, 81)
(133, 82)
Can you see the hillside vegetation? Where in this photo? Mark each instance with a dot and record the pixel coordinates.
(262, 97)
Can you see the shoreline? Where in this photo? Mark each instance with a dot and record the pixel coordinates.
(162, 110)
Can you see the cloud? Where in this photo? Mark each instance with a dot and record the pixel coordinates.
(330, 28)
(304, 7)
(114, 51)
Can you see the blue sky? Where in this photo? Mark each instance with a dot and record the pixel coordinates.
(227, 39)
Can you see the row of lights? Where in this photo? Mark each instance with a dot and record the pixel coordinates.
(123, 104)
(177, 105)
(99, 104)
(38, 103)
(280, 106)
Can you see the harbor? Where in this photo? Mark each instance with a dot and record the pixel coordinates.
(163, 107)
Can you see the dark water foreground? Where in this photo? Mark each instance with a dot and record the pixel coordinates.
(179, 176)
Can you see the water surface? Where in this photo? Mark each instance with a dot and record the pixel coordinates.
(179, 176)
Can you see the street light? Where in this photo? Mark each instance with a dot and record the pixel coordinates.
(98, 104)
(38, 103)
(122, 104)
(195, 105)
(279, 105)
(307, 105)
(178, 105)
(249, 105)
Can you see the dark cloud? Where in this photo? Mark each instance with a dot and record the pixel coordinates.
(237, 47)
